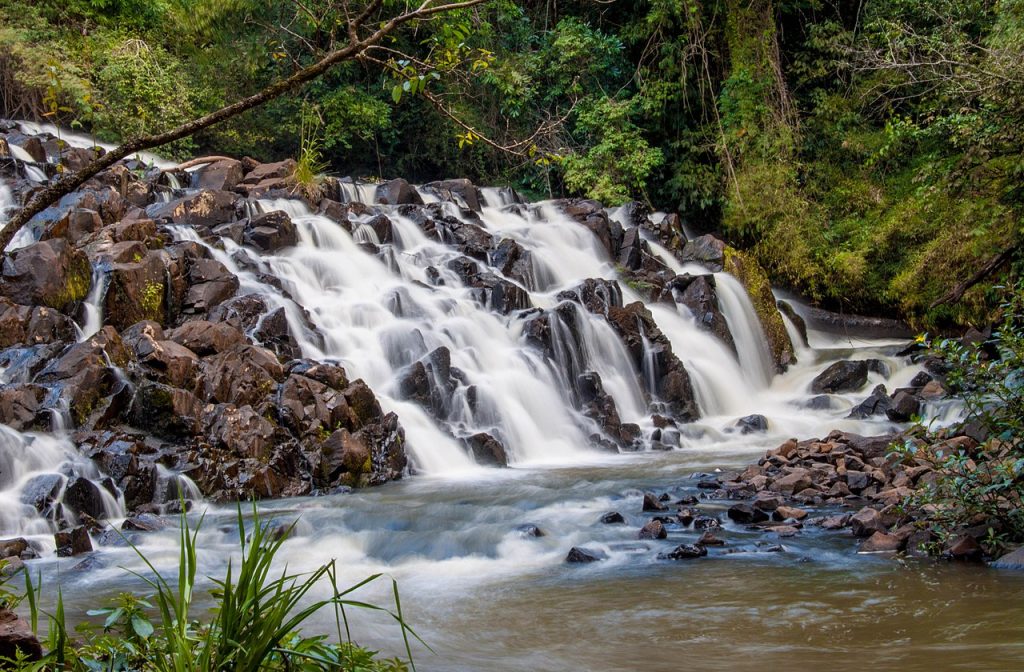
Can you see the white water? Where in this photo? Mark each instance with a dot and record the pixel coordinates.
(92, 308)
(88, 142)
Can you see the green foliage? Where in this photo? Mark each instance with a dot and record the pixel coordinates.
(618, 162)
(254, 625)
(984, 484)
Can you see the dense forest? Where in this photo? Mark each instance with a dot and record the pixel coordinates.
(868, 153)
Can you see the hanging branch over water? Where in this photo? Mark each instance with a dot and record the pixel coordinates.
(355, 48)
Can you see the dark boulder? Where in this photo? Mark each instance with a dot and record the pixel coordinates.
(745, 513)
(584, 555)
(83, 496)
(206, 338)
(843, 376)
(653, 530)
(685, 552)
(210, 284)
(1011, 560)
(205, 209)
(905, 407)
(397, 192)
(17, 639)
(591, 215)
(597, 295)
(652, 503)
(50, 273)
(461, 192)
(222, 175)
(700, 295)
(750, 424)
(487, 450)
(612, 518)
(73, 542)
(876, 404)
(705, 250)
(271, 232)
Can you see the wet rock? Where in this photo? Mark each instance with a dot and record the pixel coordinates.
(591, 214)
(584, 555)
(205, 209)
(22, 407)
(73, 542)
(530, 530)
(785, 531)
(789, 513)
(880, 542)
(206, 338)
(685, 552)
(137, 289)
(1011, 560)
(50, 273)
(767, 501)
(836, 522)
(165, 411)
(752, 423)
(271, 232)
(651, 503)
(397, 192)
(13, 548)
(797, 480)
(32, 325)
(905, 407)
(612, 518)
(210, 285)
(17, 639)
(42, 491)
(242, 375)
(596, 295)
(876, 404)
(700, 296)
(706, 523)
(460, 191)
(745, 513)
(653, 530)
(866, 522)
(842, 376)
(144, 522)
(707, 251)
(83, 497)
(487, 450)
(964, 548)
(274, 333)
(709, 539)
(242, 431)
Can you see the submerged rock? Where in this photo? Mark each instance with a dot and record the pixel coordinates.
(585, 555)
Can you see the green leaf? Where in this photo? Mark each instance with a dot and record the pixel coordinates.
(142, 627)
(396, 93)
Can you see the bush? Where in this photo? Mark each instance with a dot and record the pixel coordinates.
(983, 485)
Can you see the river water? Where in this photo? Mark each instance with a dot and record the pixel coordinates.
(484, 594)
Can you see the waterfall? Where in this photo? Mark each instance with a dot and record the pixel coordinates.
(92, 308)
(746, 330)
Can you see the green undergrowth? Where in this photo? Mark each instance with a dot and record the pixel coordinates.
(256, 622)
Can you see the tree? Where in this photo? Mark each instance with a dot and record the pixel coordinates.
(359, 26)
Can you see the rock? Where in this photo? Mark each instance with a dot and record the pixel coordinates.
(789, 513)
(880, 542)
(836, 522)
(785, 530)
(583, 555)
(933, 390)
(876, 404)
(752, 423)
(919, 543)
(50, 273)
(591, 215)
(866, 522)
(487, 450)
(17, 638)
(243, 374)
(461, 191)
(653, 530)
(745, 513)
(1011, 560)
(965, 548)
(706, 523)
(205, 209)
(905, 407)
(13, 548)
(210, 285)
(73, 542)
(794, 482)
(271, 232)
(767, 501)
(843, 376)
(707, 251)
(397, 192)
(612, 518)
(144, 522)
(684, 552)
(221, 175)
(530, 530)
(83, 497)
(709, 539)
(651, 503)
(700, 296)
(206, 338)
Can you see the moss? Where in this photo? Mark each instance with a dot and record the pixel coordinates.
(152, 301)
(77, 283)
(756, 282)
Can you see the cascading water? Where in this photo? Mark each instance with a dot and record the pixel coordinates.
(92, 308)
